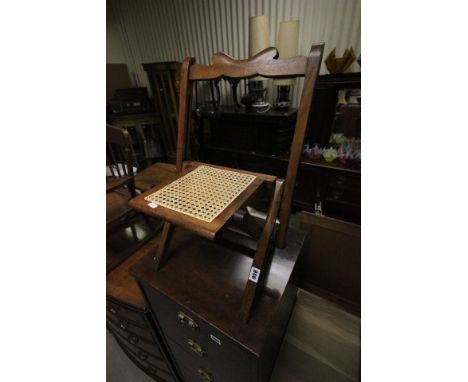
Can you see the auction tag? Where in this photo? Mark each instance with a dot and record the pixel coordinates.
(215, 339)
(254, 274)
(152, 205)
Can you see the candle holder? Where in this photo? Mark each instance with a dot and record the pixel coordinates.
(255, 97)
(282, 97)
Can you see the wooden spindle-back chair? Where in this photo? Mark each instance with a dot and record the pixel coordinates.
(120, 185)
(164, 79)
(162, 201)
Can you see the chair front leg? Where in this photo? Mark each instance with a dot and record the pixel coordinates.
(161, 250)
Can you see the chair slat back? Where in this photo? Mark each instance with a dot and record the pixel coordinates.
(119, 158)
(164, 81)
(267, 64)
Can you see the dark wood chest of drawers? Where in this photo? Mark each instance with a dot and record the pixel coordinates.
(196, 300)
(130, 322)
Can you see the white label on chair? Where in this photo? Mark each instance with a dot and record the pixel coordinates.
(254, 274)
(152, 205)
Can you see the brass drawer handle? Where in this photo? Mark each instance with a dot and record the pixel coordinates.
(207, 376)
(143, 355)
(340, 180)
(183, 318)
(151, 369)
(197, 349)
(112, 309)
(123, 324)
(133, 339)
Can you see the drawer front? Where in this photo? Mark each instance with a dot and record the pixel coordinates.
(135, 341)
(118, 311)
(339, 194)
(198, 374)
(144, 356)
(345, 180)
(127, 330)
(160, 374)
(202, 369)
(200, 341)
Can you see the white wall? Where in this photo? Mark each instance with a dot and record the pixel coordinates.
(169, 30)
(114, 48)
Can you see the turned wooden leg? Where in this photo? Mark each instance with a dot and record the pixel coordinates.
(259, 260)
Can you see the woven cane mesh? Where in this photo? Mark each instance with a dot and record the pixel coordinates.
(203, 193)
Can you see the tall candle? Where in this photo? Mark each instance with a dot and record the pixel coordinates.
(259, 34)
(287, 42)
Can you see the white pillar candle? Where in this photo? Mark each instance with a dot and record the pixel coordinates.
(287, 42)
(259, 34)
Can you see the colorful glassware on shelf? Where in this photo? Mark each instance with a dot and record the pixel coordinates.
(337, 139)
(354, 160)
(330, 154)
(315, 153)
(342, 155)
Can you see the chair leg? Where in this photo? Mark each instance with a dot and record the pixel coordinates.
(148, 222)
(259, 260)
(166, 235)
(134, 233)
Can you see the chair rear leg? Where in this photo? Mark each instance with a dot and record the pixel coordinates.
(263, 248)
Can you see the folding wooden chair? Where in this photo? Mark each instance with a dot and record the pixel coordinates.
(204, 197)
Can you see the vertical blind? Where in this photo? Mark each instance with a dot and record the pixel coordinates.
(169, 30)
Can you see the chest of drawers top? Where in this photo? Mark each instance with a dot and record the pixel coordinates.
(206, 280)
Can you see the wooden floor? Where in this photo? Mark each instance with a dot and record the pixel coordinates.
(322, 343)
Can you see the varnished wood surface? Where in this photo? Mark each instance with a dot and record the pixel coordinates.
(155, 174)
(265, 177)
(331, 259)
(121, 286)
(185, 106)
(262, 251)
(322, 343)
(311, 73)
(117, 205)
(127, 238)
(205, 229)
(208, 280)
(163, 78)
(264, 63)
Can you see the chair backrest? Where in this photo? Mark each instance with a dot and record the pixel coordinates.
(164, 82)
(119, 153)
(266, 64)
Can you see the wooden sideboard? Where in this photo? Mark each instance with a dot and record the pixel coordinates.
(196, 299)
(260, 142)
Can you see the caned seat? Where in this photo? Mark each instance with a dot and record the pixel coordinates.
(204, 198)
